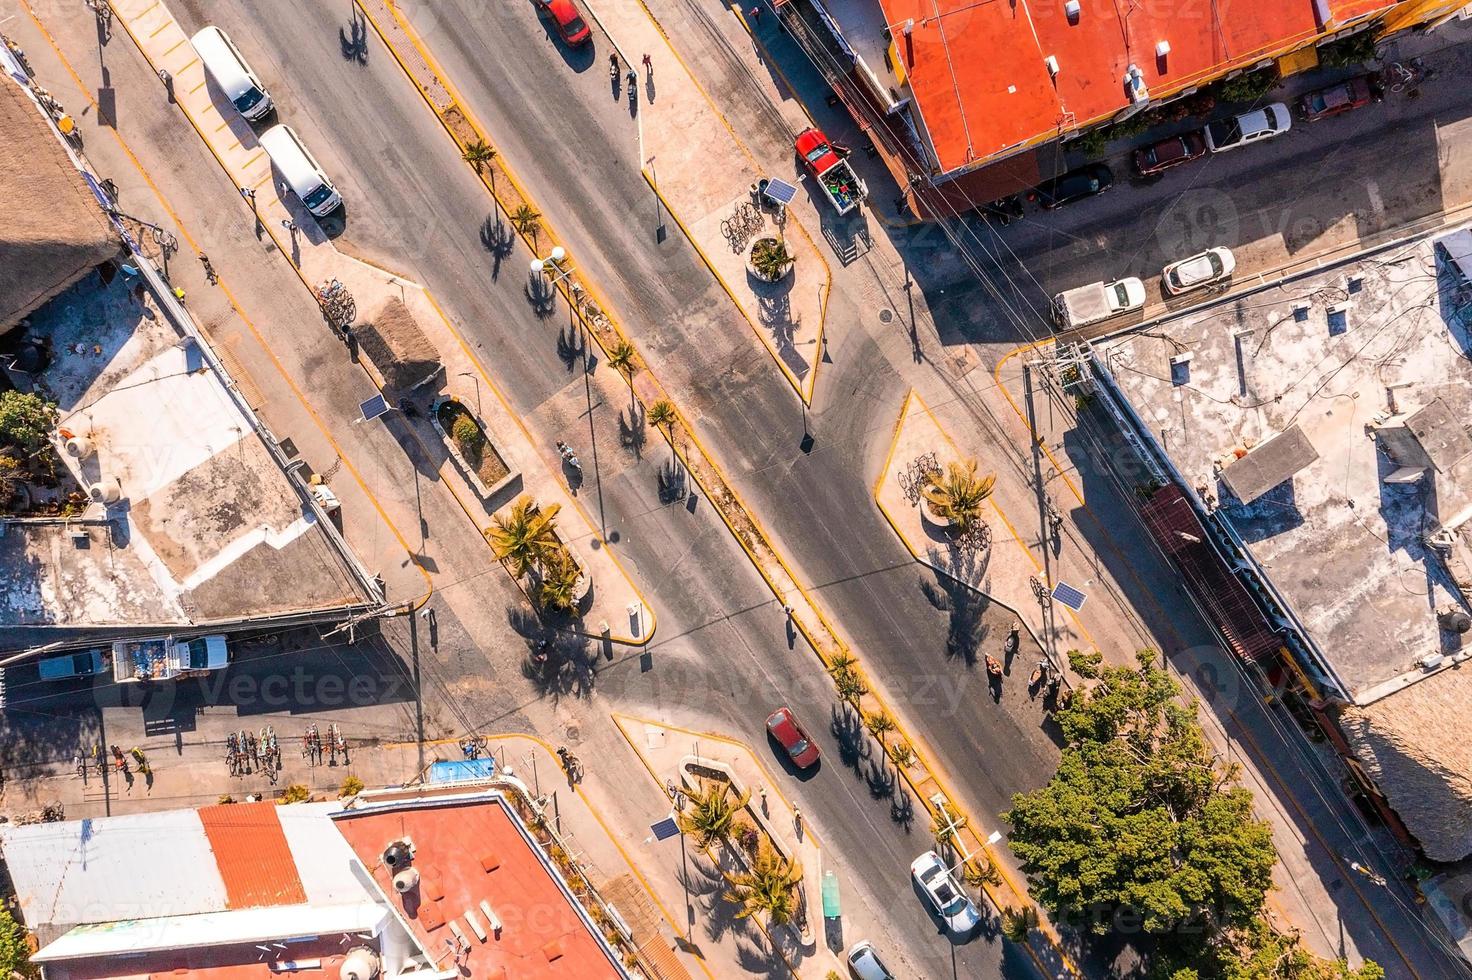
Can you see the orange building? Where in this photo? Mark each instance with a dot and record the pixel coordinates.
(952, 88)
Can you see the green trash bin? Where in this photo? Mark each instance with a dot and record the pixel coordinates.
(831, 908)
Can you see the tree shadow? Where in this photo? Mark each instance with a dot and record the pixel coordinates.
(354, 39)
(881, 779)
(902, 811)
(673, 482)
(570, 347)
(854, 747)
(967, 628)
(633, 433)
(559, 663)
(542, 295)
(497, 239)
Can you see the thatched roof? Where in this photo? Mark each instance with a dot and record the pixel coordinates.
(1413, 744)
(397, 347)
(52, 230)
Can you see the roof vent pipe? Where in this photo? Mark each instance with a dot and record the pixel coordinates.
(1162, 48)
(1072, 9)
(1052, 64)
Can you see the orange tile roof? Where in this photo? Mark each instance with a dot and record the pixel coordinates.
(473, 852)
(978, 74)
(251, 852)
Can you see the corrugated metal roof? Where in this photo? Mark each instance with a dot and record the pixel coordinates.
(253, 857)
(103, 869)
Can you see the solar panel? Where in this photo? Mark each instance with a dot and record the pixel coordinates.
(374, 407)
(780, 191)
(1072, 598)
(665, 828)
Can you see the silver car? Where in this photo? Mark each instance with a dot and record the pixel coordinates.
(865, 964)
(952, 904)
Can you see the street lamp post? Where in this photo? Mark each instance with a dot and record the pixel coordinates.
(476, 378)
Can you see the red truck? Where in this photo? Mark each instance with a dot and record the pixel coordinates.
(840, 184)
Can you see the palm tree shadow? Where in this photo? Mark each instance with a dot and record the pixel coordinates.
(497, 239)
(559, 663)
(570, 347)
(967, 628)
(633, 433)
(542, 296)
(853, 741)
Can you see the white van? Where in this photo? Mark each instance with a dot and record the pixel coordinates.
(229, 70)
(302, 172)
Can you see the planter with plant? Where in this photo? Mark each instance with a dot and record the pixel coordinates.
(955, 497)
(525, 538)
(471, 446)
(770, 261)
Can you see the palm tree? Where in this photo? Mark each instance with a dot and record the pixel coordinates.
(879, 724)
(1018, 922)
(624, 358)
(767, 888)
(851, 686)
(842, 661)
(770, 258)
(957, 495)
(526, 536)
(526, 219)
(479, 155)
(662, 416)
(557, 587)
(711, 811)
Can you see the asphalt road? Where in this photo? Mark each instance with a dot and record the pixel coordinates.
(720, 661)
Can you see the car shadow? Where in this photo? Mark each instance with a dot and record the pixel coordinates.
(579, 58)
(790, 767)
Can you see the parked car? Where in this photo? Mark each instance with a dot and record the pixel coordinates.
(1173, 152)
(1249, 127)
(864, 963)
(1352, 93)
(1083, 305)
(1073, 186)
(946, 897)
(782, 725)
(1201, 269)
(570, 24)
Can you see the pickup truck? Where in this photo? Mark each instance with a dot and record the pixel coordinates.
(840, 185)
(1097, 301)
(163, 658)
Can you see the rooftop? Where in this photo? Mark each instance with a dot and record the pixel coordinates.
(208, 527)
(470, 851)
(978, 74)
(254, 891)
(1323, 424)
(54, 230)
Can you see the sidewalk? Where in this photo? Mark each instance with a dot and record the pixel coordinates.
(682, 135)
(613, 608)
(674, 757)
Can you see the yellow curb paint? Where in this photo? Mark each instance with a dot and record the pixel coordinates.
(229, 295)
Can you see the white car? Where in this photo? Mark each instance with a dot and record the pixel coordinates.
(1249, 127)
(1201, 269)
(945, 896)
(864, 963)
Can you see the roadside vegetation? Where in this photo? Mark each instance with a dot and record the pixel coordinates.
(957, 495)
(525, 538)
(1143, 833)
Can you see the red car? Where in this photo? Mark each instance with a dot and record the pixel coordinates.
(816, 151)
(570, 24)
(1170, 153)
(1352, 93)
(783, 726)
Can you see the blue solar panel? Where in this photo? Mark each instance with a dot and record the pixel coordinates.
(374, 407)
(780, 191)
(1072, 598)
(665, 828)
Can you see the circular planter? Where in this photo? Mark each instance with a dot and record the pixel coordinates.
(752, 270)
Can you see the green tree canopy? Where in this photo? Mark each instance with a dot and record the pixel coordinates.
(15, 955)
(25, 420)
(1140, 823)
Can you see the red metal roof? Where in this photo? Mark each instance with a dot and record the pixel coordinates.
(251, 852)
(471, 852)
(978, 74)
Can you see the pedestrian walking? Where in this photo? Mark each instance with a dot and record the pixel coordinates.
(351, 339)
(797, 819)
(756, 14)
(764, 801)
(649, 65)
(209, 269)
